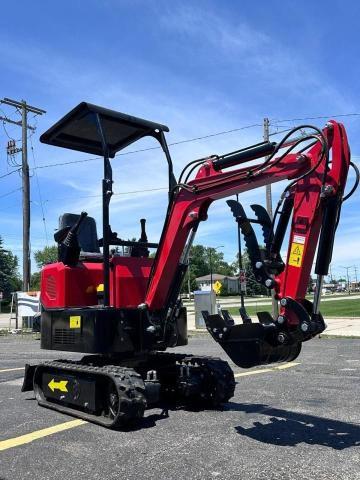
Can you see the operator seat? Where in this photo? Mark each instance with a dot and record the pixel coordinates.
(87, 235)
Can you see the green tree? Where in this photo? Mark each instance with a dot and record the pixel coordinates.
(200, 264)
(43, 257)
(35, 281)
(252, 286)
(224, 291)
(9, 275)
(46, 255)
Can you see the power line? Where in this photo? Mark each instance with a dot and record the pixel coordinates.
(15, 235)
(10, 173)
(9, 207)
(347, 275)
(39, 192)
(88, 159)
(114, 194)
(216, 134)
(9, 193)
(317, 118)
(224, 132)
(189, 140)
(194, 139)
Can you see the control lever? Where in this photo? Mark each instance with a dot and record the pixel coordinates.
(140, 250)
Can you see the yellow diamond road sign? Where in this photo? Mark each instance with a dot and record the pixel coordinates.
(217, 287)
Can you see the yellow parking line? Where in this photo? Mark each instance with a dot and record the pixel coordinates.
(267, 370)
(12, 369)
(286, 365)
(30, 437)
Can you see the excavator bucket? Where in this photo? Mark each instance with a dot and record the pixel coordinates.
(251, 344)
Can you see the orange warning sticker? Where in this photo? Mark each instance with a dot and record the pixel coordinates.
(296, 254)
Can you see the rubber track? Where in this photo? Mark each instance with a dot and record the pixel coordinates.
(216, 386)
(219, 382)
(130, 389)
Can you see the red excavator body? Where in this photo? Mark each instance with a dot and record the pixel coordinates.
(78, 287)
(109, 299)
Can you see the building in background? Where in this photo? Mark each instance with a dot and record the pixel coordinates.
(230, 284)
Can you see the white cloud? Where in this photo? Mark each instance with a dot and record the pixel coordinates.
(233, 53)
(253, 54)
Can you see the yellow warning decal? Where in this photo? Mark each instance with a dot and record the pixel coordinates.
(75, 321)
(61, 385)
(296, 254)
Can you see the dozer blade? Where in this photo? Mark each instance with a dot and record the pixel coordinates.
(250, 344)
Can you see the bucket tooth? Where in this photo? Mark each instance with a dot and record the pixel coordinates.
(265, 318)
(227, 318)
(244, 315)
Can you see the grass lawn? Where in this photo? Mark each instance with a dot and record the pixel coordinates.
(340, 308)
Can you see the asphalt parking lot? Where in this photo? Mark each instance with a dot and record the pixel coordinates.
(299, 422)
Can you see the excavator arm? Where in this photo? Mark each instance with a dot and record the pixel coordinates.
(313, 198)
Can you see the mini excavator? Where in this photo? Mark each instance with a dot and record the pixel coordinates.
(123, 312)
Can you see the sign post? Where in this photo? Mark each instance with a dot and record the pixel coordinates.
(242, 281)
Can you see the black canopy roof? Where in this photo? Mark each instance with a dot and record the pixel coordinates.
(78, 130)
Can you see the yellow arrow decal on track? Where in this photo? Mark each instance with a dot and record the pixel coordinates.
(61, 385)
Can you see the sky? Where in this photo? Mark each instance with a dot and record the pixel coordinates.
(199, 67)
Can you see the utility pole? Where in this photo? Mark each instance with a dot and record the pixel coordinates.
(275, 306)
(347, 276)
(25, 201)
(24, 108)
